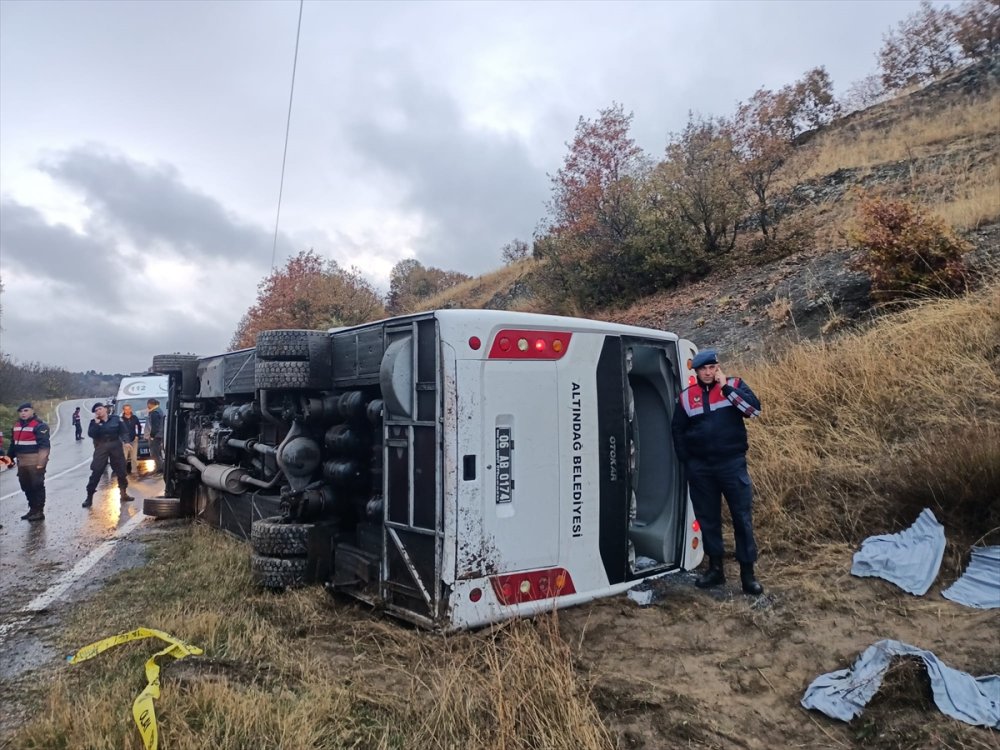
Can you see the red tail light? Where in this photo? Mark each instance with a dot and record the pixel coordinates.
(696, 527)
(531, 586)
(521, 344)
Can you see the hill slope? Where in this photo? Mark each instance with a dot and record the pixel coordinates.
(936, 145)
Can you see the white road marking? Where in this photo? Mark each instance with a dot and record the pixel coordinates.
(52, 476)
(67, 579)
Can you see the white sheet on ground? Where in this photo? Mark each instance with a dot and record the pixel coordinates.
(910, 559)
(844, 693)
(979, 586)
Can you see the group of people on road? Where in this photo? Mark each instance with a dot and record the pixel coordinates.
(116, 440)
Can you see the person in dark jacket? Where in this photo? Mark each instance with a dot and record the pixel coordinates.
(131, 445)
(108, 433)
(77, 423)
(29, 447)
(154, 434)
(710, 439)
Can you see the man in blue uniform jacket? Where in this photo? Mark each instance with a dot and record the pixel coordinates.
(108, 433)
(710, 438)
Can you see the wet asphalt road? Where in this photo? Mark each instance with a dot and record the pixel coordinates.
(34, 555)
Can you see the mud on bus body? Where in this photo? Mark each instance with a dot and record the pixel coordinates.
(456, 467)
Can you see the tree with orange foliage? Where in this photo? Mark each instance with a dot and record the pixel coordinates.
(977, 29)
(596, 243)
(763, 133)
(938, 39)
(309, 292)
(907, 251)
(921, 48)
(593, 192)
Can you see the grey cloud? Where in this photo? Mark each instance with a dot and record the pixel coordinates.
(478, 189)
(47, 251)
(80, 338)
(151, 205)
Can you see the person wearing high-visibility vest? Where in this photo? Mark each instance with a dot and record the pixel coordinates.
(710, 438)
(29, 447)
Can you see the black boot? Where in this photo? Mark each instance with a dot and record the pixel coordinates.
(35, 515)
(89, 501)
(126, 498)
(750, 583)
(714, 576)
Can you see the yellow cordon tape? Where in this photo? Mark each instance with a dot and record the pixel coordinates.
(142, 707)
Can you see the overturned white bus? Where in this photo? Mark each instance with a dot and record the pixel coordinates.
(456, 467)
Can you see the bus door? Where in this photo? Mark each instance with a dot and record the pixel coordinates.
(509, 515)
(659, 500)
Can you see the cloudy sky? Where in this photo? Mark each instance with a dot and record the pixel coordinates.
(141, 142)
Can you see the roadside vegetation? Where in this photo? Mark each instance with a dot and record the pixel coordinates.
(301, 670)
(863, 432)
(859, 433)
(858, 436)
(45, 386)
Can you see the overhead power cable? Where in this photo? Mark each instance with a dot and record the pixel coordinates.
(288, 127)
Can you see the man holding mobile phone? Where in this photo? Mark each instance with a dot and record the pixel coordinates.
(108, 433)
(710, 438)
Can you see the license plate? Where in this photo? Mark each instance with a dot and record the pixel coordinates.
(505, 466)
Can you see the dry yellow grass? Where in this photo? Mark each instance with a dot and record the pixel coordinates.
(298, 672)
(846, 421)
(973, 199)
(906, 137)
(954, 156)
(477, 292)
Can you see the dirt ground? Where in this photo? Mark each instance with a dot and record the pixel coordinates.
(697, 669)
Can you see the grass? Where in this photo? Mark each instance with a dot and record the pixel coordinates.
(300, 670)
(953, 166)
(857, 436)
(479, 291)
(863, 431)
(906, 137)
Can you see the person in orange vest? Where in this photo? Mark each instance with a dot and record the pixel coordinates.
(29, 447)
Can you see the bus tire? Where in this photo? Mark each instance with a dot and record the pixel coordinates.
(270, 537)
(293, 344)
(162, 507)
(291, 374)
(184, 365)
(172, 363)
(279, 572)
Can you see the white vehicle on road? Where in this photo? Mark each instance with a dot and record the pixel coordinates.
(135, 391)
(456, 467)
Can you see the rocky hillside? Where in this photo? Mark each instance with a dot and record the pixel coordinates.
(936, 146)
(751, 311)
